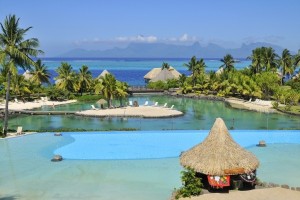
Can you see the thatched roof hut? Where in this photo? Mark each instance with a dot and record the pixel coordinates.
(27, 75)
(103, 73)
(157, 74)
(219, 154)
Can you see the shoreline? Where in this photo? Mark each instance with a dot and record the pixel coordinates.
(141, 111)
(262, 106)
(13, 106)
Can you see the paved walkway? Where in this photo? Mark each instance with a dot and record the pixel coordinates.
(257, 194)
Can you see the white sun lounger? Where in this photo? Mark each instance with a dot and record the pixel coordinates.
(19, 130)
(130, 103)
(16, 100)
(94, 108)
(172, 107)
(165, 105)
(146, 103)
(156, 104)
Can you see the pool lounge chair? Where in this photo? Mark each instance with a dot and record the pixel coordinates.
(165, 105)
(130, 103)
(19, 130)
(146, 103)
(94, 108)
(16, 100)
(172, 107)
(156, 104)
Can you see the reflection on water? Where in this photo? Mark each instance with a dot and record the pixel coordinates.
(198, 114)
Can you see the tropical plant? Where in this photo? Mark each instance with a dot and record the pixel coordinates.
(19, 85)
(228, 63)
(269, 59)
(107, 87)
(191, 184)
(84, 79)
(165, 66)
(121, 91)
(192, 67)
(296, 60)
(286, 64)
(268, 82)
(66, 78)
(15, 52)
(57, 94)
(40, 73)
(256, 58)
(182, 79)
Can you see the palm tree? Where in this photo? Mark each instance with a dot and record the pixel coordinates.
(297, 60)
(121, 91)
(19, 85)
(269, 58)
(15, 52)
(286, 64)
(107, 86)
(256, 58)
(85, 79)
(181, 79)
(165, 66)
(228, 63)
(66, 77)
(40, 73)
(191, 67)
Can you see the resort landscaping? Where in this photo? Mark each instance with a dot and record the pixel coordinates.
(270, 84)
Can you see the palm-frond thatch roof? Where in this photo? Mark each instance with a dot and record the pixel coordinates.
(103, 73)
(219, 154)
(27, 75)
(157, 74)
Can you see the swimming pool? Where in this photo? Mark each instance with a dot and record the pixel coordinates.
(147, 171)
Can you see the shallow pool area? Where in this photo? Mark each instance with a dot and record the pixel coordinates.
(128, 165)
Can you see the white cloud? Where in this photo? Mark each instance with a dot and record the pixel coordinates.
(138, 38)
(184, 38)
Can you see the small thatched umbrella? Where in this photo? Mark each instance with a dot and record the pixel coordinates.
(219, 154)
(102, 101)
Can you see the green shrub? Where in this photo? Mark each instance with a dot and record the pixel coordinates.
(159, 85)
(275, 104)
(88, 98)
(191, 184)
(1, 131)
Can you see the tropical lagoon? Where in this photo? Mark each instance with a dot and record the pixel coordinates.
(199, 114)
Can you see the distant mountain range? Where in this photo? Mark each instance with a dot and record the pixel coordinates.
(161, 50)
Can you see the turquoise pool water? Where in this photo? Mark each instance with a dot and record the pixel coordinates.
(151, 171)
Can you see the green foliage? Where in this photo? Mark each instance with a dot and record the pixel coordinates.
(295, 85)
(58, 94)
(191, 185)
(172, 83)
(159, 85)
(275, 104)
(268, 82)
(288, 107)
(88, 98)
(1, 131)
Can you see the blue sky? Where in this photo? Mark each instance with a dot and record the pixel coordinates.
(61, 25)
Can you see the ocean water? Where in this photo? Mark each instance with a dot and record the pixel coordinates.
(130, 70)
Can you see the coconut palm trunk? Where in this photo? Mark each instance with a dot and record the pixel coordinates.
(6, 105)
